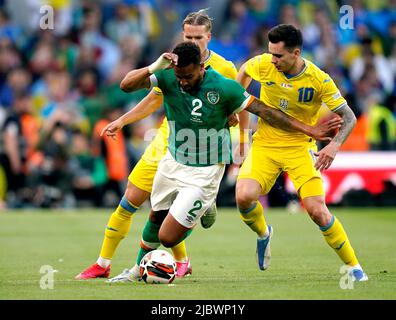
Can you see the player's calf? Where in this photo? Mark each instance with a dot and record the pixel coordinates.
(172, 232)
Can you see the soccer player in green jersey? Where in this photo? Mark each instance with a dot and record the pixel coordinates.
(196, 27)
(197, 102)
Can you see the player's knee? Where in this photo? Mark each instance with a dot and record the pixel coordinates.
(135, 195)
(168, 244)
(318, 213)
(157, 217)
(166, 240)
(245, 197)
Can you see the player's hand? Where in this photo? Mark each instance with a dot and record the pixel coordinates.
(165, 60)
(111, 129)
(172, 58)
(240, 153)
(326, 156)
(233, 120)
(325, 131)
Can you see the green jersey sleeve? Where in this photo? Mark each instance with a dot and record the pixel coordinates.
(237, 98)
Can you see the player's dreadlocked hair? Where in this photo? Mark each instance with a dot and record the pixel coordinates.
(287, 33)
(199, 18)
(187, 52)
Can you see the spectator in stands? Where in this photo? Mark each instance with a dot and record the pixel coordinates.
(115, 153)
(388, 39)
(326, 49)
(371, 62)
(127, 22)
(14, 148)
(263, 12)
(382, 125)
(236, 21)
(231, 42)
(89, 171)
(106, 52)
(259, 41)
(62, 16)
(367, 86)
(18, 81)
(50, 177)
(9, 30)
(10, 59)
(57, 93)
(131, 52)
(43, 56)
(288, 15)
(90, 98)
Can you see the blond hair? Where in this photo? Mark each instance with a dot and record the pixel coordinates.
(199, 18)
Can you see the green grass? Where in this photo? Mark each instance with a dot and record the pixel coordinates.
(223, 258)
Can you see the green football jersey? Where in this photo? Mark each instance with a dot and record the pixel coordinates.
(198, 123)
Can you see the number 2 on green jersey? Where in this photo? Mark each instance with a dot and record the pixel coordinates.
(197, 104)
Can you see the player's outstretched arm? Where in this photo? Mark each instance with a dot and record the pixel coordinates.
(281, 120)
(349, 123)
(144, 108)
(277, 118)
(328, 153)
(140, 78)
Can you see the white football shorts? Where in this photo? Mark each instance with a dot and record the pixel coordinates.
(186, 191)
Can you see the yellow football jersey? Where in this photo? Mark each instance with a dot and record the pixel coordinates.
(157, 148)
(299, 96)
(221, 65)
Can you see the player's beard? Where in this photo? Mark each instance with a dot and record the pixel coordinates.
(194, 87)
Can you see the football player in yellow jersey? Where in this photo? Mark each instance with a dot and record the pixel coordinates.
(196, 28)
(297, 87)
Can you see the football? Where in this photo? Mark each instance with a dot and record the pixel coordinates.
(158, 266)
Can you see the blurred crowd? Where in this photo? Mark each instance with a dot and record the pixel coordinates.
(59, 85)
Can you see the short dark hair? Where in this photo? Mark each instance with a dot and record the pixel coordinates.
(188, 53)
(287, 33)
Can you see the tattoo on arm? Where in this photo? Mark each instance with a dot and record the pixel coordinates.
(274, 117)
(349, 123)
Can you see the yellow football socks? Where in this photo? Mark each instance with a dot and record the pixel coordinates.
(179, 252)
(254, 219)
(337, 238)
(117, 228)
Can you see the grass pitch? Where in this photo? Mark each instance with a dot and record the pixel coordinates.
(223, 258)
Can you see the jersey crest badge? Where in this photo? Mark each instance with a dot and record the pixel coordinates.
(284, 104)
(213, 97)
